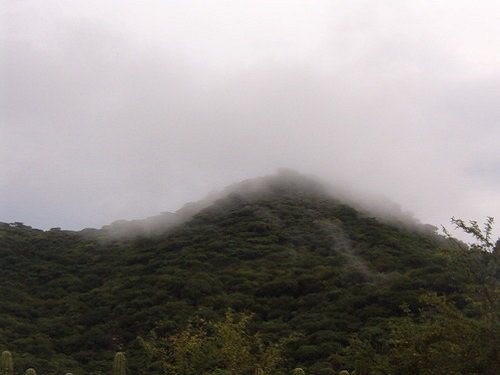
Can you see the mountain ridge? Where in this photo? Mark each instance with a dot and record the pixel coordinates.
(304, 263)
(379, 206)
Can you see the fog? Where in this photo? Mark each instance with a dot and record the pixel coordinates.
(122, 110)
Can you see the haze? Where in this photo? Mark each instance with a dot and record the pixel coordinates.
(123, 109)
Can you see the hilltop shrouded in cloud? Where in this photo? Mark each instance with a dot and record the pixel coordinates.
(120, 110)
(286, 184)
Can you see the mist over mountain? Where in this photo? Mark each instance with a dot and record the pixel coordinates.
(284, 182)
(118, 117)
(121, 111)
(310, 267)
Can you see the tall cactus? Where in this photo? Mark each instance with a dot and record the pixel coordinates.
(7, 364)
(120, 364)
(30, 371)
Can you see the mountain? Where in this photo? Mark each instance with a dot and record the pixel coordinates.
(310, 267)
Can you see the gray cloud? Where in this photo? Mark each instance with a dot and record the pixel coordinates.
(124, 110)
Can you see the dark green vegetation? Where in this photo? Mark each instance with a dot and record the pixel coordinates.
(337, 288)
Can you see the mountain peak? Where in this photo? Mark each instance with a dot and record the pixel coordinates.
(284, 184)
(283, 247)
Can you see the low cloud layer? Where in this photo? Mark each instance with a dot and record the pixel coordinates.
(120, 110)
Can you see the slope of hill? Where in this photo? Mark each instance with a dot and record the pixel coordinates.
(310, 268)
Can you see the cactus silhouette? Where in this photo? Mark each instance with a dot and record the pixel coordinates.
(30, 371)
(345, 372)
(7, 364)
(120, 364)
(298, 371)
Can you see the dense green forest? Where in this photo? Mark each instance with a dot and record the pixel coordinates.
(284, 267)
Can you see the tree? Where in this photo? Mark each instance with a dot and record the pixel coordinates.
(443, 337)
(478, 265)
(225, 347)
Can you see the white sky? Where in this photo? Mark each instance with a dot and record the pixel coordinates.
(123, 109)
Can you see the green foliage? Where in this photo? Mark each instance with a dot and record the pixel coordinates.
(440, 339)
(478, 265)
(225, 347)
(298, 371)
(308, 267)
(443, 337)
(482, 237)
(30, 371)
(6, 363)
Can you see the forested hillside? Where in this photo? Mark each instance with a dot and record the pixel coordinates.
(319, 276)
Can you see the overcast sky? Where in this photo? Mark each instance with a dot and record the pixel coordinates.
(122, 109)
